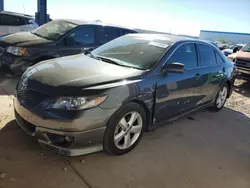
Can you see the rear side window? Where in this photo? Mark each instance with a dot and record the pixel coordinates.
(84, 35)
(219, 59)
(9, 20)
(106, 34)
(206, 55)
(185, 54)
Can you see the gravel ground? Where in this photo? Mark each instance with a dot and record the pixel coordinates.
(240, 99)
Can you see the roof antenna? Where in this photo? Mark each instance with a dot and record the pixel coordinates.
(23, 9)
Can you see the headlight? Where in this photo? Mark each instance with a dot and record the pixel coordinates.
(18, 51)
(77, 103)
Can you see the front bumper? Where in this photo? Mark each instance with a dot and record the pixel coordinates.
(243, 70)
(14, 64)
(68, 142)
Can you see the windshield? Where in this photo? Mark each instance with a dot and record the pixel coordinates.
(54, 29)
(136, 51)
(246, 48)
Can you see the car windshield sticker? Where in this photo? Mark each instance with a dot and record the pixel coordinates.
(158, 44)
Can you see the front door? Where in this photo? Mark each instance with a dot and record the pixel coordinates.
(178, 92)
(80, 40)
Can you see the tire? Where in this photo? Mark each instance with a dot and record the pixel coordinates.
(217, 106)
(121, 129)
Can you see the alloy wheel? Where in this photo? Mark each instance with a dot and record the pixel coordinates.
(221, 97)
(128, 130)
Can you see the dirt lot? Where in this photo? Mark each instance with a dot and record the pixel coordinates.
(207, 150)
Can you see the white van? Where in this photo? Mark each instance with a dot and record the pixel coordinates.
(11, 22)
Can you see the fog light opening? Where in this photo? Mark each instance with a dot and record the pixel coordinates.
(69, 138)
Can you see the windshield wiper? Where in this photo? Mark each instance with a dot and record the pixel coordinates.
(39, 35)
(112, 61)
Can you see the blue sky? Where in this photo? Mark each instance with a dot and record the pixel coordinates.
(175, 16)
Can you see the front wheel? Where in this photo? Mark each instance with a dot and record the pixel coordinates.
(221, 98)
(125, 129)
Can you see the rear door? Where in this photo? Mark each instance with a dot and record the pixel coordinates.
(84, 40)
(211, 71)
(178, 92)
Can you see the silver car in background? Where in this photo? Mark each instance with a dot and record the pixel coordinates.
(11, 22)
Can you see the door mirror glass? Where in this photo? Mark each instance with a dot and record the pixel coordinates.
(70, 41)
(174, 67)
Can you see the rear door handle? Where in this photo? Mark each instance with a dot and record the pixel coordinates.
(197, 76)
(222, 71)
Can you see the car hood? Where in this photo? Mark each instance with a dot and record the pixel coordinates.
(78, 71)
(23, 39)
(243, 55)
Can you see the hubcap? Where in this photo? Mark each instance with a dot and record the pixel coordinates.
(221, 97)
(128, 130)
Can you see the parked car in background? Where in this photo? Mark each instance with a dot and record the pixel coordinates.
(223, 46)
(242, 59)
(232, 49)
(106, 99)
(11, 22)
(55, 39)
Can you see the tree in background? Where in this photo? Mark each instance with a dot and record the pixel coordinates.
(223, 41)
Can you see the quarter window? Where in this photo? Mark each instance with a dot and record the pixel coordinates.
(206, 55)
(185, 54)
(219, 59)
(84, 35)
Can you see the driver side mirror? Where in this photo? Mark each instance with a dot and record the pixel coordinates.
(70, 41)
(174, 67)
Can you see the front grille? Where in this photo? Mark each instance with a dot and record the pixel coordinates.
(243, 63)
(31, 97)
(1, 49)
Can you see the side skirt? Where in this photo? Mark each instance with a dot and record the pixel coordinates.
(180, 116)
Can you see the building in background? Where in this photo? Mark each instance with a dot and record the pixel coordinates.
(228, 37)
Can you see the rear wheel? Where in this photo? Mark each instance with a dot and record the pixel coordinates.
(221, 98)
(125, 129)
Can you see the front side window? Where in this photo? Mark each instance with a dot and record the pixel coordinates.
(185, 54)
(246, 48)
(134, 51)
(206, 55)
(106, 34)
(9, 20)
(54, 29)
(84, 35)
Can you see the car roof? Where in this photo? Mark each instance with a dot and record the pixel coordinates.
(16, 14)
(95, 22)
(168, 39)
